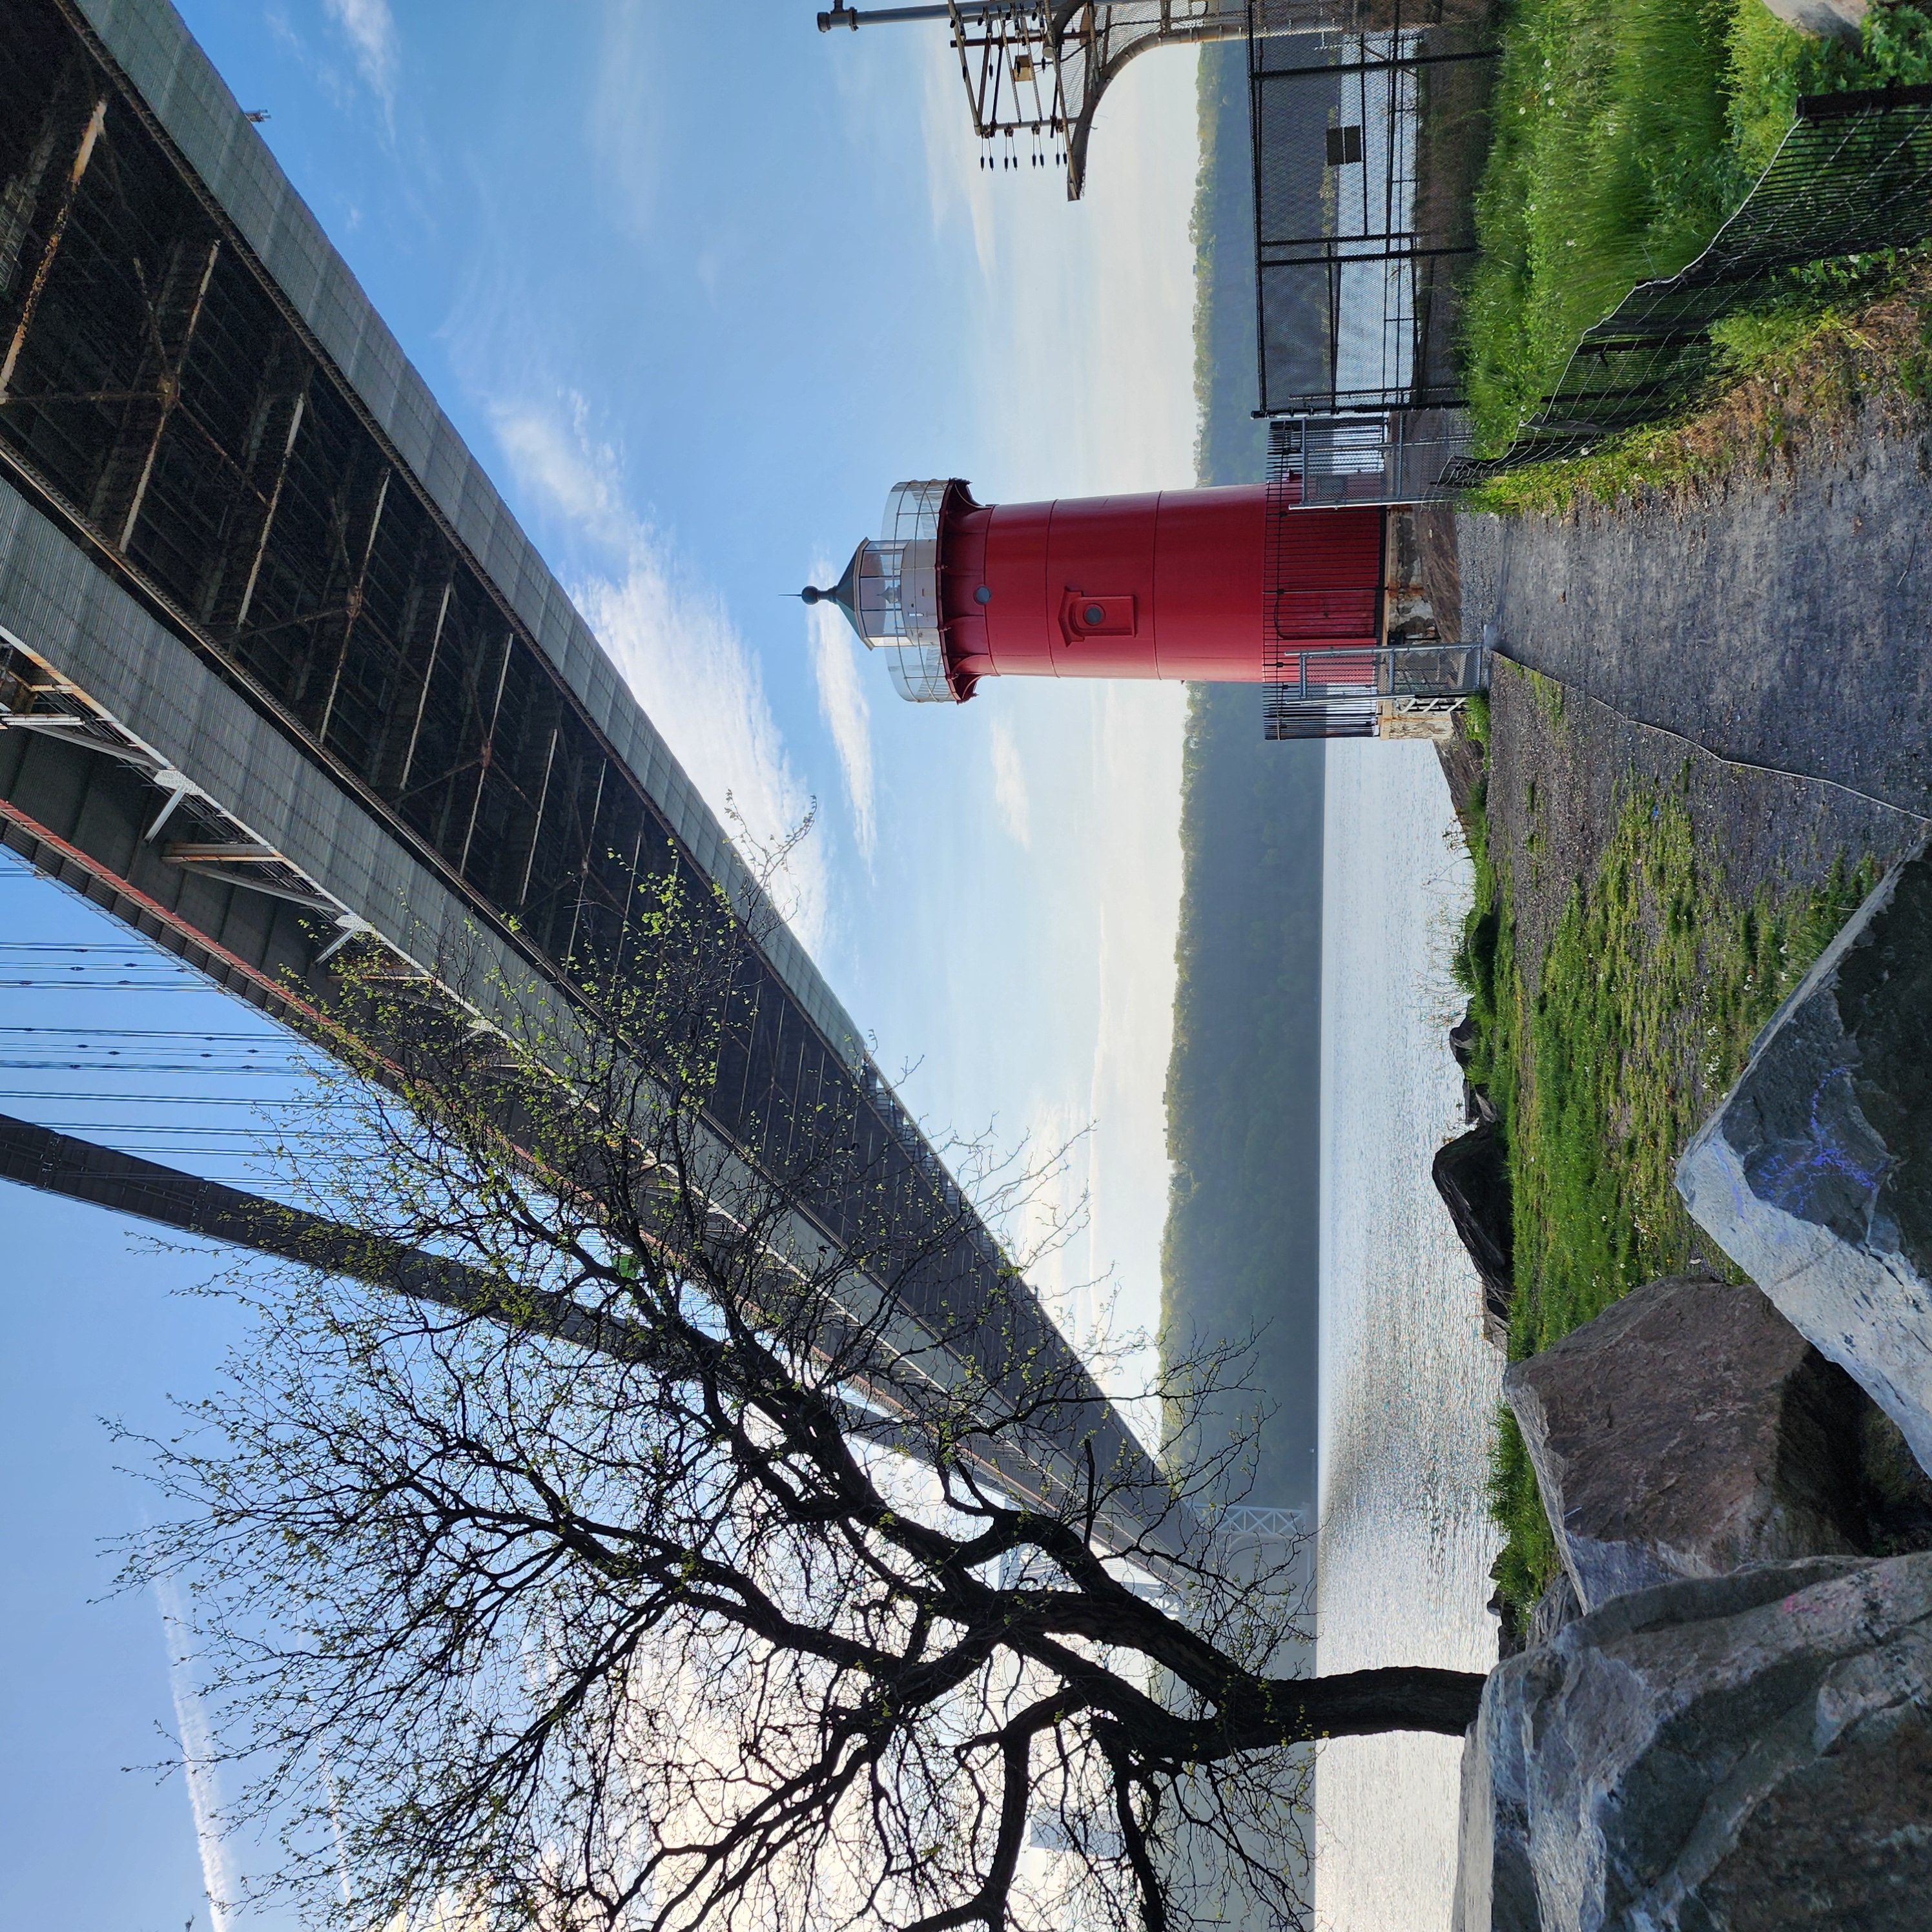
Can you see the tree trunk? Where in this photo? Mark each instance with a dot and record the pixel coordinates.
(1360, 1703)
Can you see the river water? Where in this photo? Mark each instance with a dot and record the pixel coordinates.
(1408, 1386)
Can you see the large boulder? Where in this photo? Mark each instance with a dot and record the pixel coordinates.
(1815, 1176)
(1472, 1175)
(1742, 1753)
(1687, 1431)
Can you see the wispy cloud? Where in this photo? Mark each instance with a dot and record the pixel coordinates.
(1009, 783)
(842, 704)
(197, 1744)
(674, 641)
(550, 447)
(625, 126)
(370, 28)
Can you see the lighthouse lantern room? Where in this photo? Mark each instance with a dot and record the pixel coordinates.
(890, 591)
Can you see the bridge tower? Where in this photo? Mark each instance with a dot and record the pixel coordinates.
(1241, 585)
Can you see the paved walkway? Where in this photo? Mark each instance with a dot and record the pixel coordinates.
(1787, 623)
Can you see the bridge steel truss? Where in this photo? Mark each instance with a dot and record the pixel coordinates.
(279, 676)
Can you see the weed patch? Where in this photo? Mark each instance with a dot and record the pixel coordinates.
(1625, 132)
(1799, 378)
(1652, 987)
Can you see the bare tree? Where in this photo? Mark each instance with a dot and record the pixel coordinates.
(727, 1540)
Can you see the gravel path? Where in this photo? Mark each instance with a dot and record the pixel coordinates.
(1787, 623)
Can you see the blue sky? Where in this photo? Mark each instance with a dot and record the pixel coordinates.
(698, 285)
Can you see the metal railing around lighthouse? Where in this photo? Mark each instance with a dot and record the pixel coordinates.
(1331, 667)
(1398, 456)
(1343, 693)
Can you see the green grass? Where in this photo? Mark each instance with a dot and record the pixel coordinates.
(1802, 371)
(1625, 132)
(1653, 985)
(1652, 989)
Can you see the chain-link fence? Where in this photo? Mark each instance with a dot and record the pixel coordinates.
(1852, 177)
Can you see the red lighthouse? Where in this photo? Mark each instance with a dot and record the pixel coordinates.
(1220, 585)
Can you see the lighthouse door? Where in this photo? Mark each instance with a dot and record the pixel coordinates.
(1323, 597)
